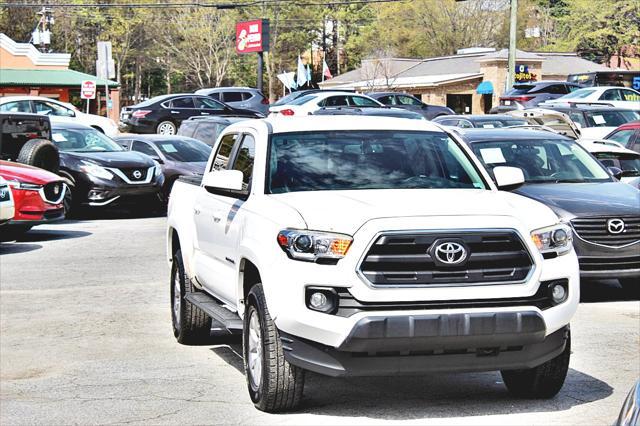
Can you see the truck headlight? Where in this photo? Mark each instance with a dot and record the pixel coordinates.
(556, 239)
(96, 170)
(314, 246)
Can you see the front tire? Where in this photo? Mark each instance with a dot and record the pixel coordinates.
(190, 324)
(541, 382)
(166, 127)
(274, 384)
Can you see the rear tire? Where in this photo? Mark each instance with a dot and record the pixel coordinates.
(190, 324)
(166, 127)
(274, 384)
(541, 382)
(40, 153)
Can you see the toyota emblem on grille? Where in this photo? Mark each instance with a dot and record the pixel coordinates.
(615, 226)
(137, 174)
(450, 253)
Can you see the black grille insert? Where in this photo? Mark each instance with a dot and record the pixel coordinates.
(135, 174)
(53, 191)
(406, 259)
(611, 263)
(596, 230)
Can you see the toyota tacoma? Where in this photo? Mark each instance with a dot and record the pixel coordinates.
(357, 246)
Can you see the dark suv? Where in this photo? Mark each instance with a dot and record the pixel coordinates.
(410, 103)
(602, 211)
(529, 95)
(206, 129)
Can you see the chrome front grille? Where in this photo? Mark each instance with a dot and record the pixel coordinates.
(598, 230)
(409, 259)
(53, 192)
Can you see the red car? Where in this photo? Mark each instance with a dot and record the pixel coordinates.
(628, 135)
(38, 196)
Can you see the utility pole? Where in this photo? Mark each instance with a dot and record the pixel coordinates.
(513, 28)
(42, 34)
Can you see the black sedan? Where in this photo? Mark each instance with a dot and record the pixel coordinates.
(177, 155)
(100, 172)
(603, 212)
(492, 121)
(410, 103)
(163, 114)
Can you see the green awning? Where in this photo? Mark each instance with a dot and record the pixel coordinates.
(65, 78)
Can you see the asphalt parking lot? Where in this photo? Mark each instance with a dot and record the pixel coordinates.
(85, 338)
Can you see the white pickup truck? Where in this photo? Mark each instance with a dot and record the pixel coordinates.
(369, 246)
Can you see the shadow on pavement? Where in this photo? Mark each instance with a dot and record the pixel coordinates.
(14, 248)
(425, 396)
(117, 213)
(36, 235)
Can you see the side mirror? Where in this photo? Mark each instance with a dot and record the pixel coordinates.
(616, 172)
(508, 178)
(158, 159)
(229, 180)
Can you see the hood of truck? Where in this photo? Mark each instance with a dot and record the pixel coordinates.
(347, 211)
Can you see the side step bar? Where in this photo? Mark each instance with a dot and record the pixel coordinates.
(215, 310)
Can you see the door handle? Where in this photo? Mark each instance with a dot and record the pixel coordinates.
(204, 113)
(175, 112)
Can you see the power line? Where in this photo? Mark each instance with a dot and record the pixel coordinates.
(191, 4)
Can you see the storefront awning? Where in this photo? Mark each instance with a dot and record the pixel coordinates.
(49, 78)
(485, 88)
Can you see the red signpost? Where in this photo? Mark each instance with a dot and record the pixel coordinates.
(253, 36)
(88, 89)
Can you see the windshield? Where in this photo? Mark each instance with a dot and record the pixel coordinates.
(184, 150)
(627, 162)
(578, 94)
(287, 99)
(302, 100)
(83, 140)
(497, 123)
(610, 118)
(521, 89)
(351, 160)
(542, 160)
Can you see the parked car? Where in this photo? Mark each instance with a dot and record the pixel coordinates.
(239, 97)
(58, 112)
(163, 114)
(627, 134)
(25, 138)
(351, 245)
(490, 121)
(299, 93)
(37, 196)
(596, 121)
(602, 211)
(206, 129)
(530, 95)
(100, 172)
(375, 111)
(411, 103)
(623, 163)
(308, 104)
(7, 207)
(619, 97)
(177, 155)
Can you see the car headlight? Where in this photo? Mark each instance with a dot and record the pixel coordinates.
(556, 239)
(314, 246)
(25, 186)
(95, 170)
(158, 169)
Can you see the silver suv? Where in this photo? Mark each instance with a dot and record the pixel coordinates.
(239, 97)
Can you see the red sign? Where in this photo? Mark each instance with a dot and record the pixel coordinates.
(252, 36)
(88, 89)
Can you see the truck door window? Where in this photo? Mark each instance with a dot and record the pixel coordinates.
(244, 161)
(224, 151)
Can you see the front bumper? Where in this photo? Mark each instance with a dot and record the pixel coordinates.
(95, 192)
(137, 126)
(598, 261)
(429, 343)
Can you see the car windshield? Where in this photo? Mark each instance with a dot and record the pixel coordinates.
(520, 89)
(610, 118)
(542, 160)
(184, 150)
(302, 100)
(578, 94)
(627, 162)
(287, 99)
(353, 160)
(83, 140)
(492, 124)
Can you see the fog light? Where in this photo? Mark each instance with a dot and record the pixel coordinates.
(322, 299)
(558, 293)
(318, 301)
(95, 195)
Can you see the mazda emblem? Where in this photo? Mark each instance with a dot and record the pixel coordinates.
(450, 253)
(56, 190)
(615, 226)
(137, 174)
